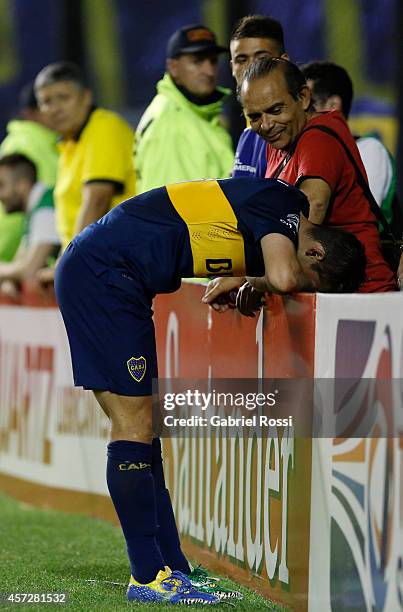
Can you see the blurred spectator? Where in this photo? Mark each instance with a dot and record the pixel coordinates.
(278, 103)
(95, 169)
(12, 223)
(332, 89)
(180, 137)
(20, 191)
(31, 136)
(253, 37)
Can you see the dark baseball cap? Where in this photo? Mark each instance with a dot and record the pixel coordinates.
(193, 39)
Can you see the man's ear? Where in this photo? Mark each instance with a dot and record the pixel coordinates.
(305, 97)
(87, 98)
(334, 103)
(172, 66)
(231, 63)
(285, 56)
(316, 251)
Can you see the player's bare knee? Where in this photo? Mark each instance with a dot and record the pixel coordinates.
(131, 417)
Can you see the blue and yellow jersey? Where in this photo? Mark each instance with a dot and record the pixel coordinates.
(201, 228)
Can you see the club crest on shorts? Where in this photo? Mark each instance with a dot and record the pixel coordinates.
(137, 367)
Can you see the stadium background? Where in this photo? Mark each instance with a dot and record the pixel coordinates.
(121, 45)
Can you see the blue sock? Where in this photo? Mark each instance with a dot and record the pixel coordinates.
(167, 533)
(131, 486)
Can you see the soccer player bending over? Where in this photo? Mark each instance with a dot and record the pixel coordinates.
(105, 284)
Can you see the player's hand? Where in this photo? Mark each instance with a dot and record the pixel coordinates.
(249, 300)
(220, 293)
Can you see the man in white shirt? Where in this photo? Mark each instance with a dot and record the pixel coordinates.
(19, 189)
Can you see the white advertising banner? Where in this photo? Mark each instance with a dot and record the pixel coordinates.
(50, 432)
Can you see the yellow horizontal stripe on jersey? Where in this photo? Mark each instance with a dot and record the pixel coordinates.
(216, 243)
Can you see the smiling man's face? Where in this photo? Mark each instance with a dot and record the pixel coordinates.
(273, 112)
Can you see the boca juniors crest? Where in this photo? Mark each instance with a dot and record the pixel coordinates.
(137, 367)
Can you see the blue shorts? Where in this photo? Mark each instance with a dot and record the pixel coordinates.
(108, 318)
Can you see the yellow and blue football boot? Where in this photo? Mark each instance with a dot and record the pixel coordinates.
(169, 587)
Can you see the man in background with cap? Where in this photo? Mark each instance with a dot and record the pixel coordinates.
(180, 137)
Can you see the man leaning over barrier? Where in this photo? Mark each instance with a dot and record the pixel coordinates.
(314, 151)
(105, 283)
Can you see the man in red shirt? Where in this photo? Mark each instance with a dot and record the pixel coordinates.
(278, 104)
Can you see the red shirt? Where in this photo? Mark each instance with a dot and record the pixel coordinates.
(319, 155)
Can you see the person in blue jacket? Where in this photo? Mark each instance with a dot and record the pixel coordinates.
(253, 37)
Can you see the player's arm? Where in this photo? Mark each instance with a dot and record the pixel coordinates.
(283, 275)
(95, 203)
(283, 272)
(318, 193)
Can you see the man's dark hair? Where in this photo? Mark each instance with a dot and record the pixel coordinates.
(343, 268)
(22, 166)
(329, 79)
(258, 26)
(265, 65)
(60, 71)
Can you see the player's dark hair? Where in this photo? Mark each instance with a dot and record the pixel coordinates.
(264, 66)
(21, 166)
(329, 79)
(342, 270)
(259, 26)
(60, 71)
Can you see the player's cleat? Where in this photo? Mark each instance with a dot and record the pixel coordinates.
(169, 587)
(200, 579)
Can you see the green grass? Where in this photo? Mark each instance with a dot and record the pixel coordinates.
(43, 551)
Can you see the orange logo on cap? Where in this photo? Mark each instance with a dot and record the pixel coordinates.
(200, 34)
